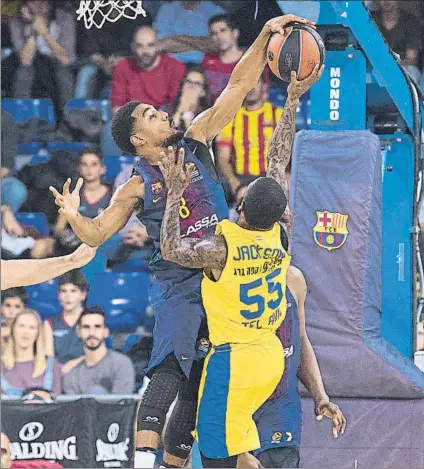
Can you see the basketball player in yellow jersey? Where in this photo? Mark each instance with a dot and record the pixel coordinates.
(245, 268)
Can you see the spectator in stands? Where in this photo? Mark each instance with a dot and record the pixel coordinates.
(13, 302)
(44, 40)
(24, 359)
(5, 451)
(13, 191)
(401, 32)
(17, 244)
(101, 50)
(178, 17)
(62, 340)
(192, 98)
(243, 143)
(221, 51)
(147, 76)
(95, 197)
(102, 371)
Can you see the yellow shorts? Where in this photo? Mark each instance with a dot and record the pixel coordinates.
(236, 381)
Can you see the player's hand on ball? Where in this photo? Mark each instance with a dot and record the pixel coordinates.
(177, 180)
(68, 202)
(277, 24)
(333, 412)
(83, 255)
(298, 87)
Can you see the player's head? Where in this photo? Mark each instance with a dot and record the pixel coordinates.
(257, 95)
(140, 129)
(5, 451)
(91, 167)
(223, 32)
(144, 47)
(13, 301)
(262, 205)
(73, 289)
(92, 328)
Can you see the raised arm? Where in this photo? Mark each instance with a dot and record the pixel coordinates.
(21, 273)
(183, 43)
(244, 77)
(309, 372)
(210, 252)
(96, 231)
(281, 143)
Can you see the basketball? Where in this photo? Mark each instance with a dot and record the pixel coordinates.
(300, 50)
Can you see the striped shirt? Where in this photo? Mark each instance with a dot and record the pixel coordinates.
(248, 134)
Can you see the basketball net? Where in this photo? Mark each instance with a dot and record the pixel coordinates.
(96, 12)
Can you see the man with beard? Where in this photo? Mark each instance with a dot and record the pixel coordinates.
(179, 333)
(146, 76)
(102, 371)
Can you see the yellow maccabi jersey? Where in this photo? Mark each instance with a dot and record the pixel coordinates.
(248, 301)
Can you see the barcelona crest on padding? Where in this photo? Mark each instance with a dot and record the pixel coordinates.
(330, 231)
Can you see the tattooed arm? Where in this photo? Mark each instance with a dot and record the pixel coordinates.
(210, 252)
(281, 143)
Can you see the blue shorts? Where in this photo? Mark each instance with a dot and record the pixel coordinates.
(279, 423)
(180, 323)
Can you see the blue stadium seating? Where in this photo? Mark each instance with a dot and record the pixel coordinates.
(123, 296)
(102, 105)
(29, 148)
(131, 340)
(132, 265)
(109, 342)
(36, 159)
(44, 296)
(114, 165)
(74, 147)
(36, 219)
(24, 109)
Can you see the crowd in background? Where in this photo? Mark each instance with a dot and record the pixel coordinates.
(178, 58)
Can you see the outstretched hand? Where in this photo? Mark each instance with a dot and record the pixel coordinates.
(177, 180)
(277, 24)
(299, 87)
(68, 202)
(333, 412)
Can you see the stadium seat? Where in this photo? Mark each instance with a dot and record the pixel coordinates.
(114, 165)
(123, 296)
(74, 147)
(102, 105)
(24, 109)
(44, 294)
(29, 148)
(109, 342)
(131, 340)
(36, 219)
(36, 159)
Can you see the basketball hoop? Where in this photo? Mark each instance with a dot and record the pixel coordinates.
(96, 12)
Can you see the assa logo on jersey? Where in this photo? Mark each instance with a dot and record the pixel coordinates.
(205, 222)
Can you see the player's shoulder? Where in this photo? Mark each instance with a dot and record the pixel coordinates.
(296, 281)
(133, 188)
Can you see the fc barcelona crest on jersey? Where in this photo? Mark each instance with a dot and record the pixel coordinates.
(330, 231)
(157, 188)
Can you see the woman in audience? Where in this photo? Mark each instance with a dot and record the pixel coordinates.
(192, 98)
(95, 197)
(24, 360)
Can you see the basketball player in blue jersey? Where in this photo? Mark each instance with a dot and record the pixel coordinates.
(140, 129)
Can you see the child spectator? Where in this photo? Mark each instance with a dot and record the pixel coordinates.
(95, 197)
(13, 302)
(102, 371)
(60, 331)
(24, 359)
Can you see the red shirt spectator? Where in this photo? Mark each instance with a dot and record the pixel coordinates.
(217, 73)
(148, 77)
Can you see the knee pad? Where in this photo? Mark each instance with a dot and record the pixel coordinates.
(178, 438)
(157, 399)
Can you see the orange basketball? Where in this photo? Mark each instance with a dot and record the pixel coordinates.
(299, 50)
